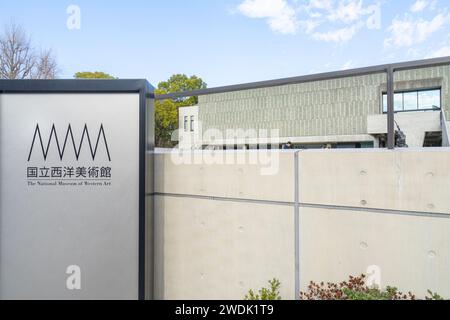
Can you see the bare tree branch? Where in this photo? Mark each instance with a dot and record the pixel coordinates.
(18, 59)
(46, 67)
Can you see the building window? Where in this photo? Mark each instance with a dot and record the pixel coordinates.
(186, 123)
(419, 100)
(192, 124)
(410, 101)
(430, 99)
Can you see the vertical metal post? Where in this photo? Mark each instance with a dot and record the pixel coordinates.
(297, 225)
(390, 108)
(445, 135)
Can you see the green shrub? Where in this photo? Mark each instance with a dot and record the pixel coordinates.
(266, 294)
(376, 294)
(356, 289)
(353, 289)
(433, 296)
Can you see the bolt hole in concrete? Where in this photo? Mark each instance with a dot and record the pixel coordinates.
(430, 175)
(363, 202)
(432, 254)
(364, 245)
(363, 173)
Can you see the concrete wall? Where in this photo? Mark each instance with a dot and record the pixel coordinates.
(415, 125)
(321, 108)
(222, 229)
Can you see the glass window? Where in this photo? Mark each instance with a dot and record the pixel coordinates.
(398, 102)
(410, 101)
(430, 100)
(192, 123)
(186, 123)
(415, 100)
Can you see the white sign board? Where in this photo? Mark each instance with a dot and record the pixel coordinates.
(70, 195)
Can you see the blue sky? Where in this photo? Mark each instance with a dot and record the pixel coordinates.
(233, 41)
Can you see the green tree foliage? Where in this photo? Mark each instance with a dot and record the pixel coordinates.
(166, 111)
(266, 294)
(93, 75)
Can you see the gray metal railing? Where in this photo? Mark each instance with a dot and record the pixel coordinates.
(388, 69)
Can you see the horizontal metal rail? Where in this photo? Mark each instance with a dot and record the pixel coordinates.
(424, 214)
(310, 78)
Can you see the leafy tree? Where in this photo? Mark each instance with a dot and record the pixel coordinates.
(166, 111)
(93, 75)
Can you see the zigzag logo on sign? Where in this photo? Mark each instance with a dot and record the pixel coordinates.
(69, 134)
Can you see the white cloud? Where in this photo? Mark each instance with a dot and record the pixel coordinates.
(309, 25)
(321, 4)
(427, 28)
(348, 12)
(419, 5)
(322, 20)
(348, 65)
(443, 52)
(408, 31)
(346, 18)
(339, 35)
(280, 16)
